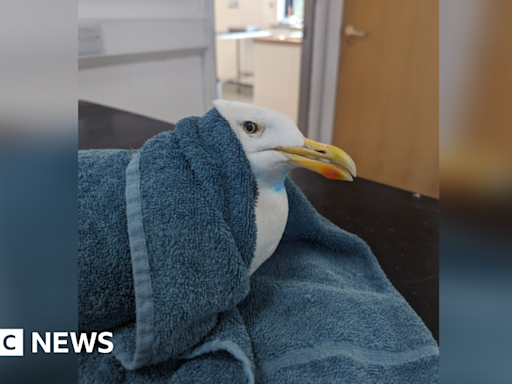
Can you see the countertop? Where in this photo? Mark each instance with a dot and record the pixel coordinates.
(276, 40)
(401, 228)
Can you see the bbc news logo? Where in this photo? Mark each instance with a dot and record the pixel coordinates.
(11, 342)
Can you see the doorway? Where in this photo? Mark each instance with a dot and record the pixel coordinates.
(258, 52)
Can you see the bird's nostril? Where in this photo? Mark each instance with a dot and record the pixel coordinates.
(323, 152)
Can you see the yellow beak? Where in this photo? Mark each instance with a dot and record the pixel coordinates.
(327, 160)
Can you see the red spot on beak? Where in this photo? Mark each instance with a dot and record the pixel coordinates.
(332, 173)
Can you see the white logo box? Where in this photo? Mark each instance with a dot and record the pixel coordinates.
(11, 342)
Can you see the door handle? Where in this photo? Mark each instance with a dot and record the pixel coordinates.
(351, 31)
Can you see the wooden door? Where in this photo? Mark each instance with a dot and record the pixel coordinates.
(387, 108)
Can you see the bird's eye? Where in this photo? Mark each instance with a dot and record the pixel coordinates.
(250, 127)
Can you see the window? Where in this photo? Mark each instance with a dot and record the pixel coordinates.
(290, 12)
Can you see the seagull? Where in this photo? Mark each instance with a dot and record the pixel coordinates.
(274, 146)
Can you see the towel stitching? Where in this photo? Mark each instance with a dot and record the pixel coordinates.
(145, 332)
(307, 355)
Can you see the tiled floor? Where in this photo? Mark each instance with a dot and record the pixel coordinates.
(230, 92)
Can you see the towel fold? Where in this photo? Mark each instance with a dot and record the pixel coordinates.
(166, 238)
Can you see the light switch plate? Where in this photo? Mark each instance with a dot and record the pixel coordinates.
(90, 38)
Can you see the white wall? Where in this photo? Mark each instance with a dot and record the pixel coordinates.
(167, 89)
(158, 58)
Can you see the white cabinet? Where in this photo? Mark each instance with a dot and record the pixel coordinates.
(277, 74)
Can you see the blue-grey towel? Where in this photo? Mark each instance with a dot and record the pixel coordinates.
(166, 238)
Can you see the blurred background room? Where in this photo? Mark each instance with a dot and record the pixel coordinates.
(360, 74)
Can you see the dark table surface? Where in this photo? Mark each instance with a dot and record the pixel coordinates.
(401, 228)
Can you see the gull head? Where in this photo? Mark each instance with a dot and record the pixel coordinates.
(274, 145)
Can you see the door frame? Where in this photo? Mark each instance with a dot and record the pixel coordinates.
(319, 68)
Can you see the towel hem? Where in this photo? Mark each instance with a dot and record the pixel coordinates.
(145, 330)
(303, 356)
